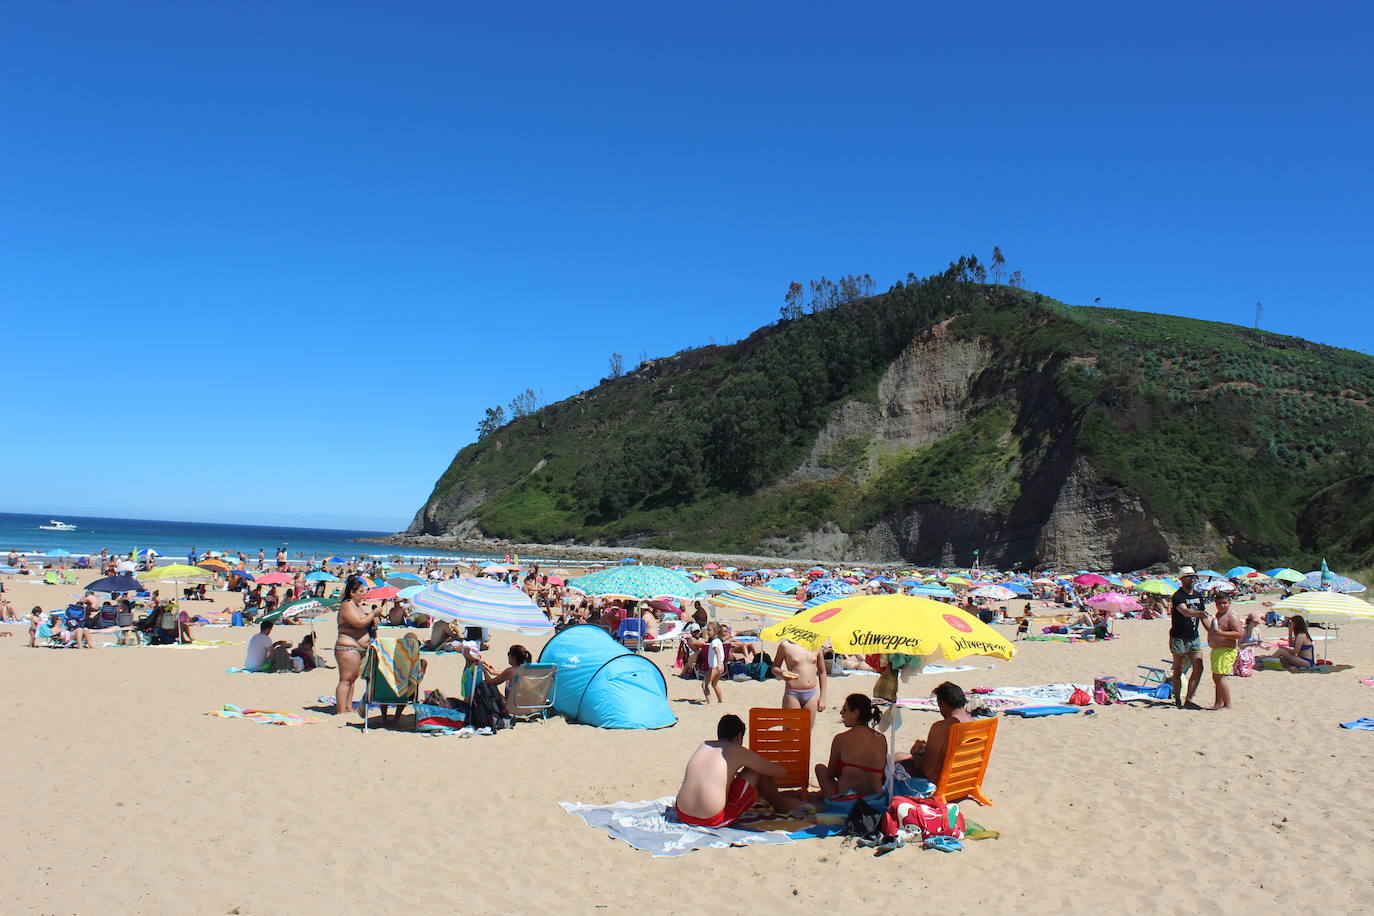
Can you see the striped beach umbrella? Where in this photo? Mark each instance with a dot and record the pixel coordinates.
(483, 603)
(760, 602)
(994, 592)
(1327, 607)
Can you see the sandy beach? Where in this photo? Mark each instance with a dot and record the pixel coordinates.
(123, 796)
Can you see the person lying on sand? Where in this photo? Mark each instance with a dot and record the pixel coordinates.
(724, 778)
(927, 756)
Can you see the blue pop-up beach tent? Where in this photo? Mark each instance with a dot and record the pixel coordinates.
(601, 683)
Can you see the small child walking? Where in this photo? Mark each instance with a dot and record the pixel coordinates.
(715, 663)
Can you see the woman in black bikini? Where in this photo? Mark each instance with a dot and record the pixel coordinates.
(356, 628)
(858, 755)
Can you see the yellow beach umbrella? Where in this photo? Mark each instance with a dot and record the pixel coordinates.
(177, 572)
(1156, 587)
(906, 624)
(957, 580)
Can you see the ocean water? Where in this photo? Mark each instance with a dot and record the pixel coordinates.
(175, 539)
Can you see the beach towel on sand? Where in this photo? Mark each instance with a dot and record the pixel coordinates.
(262, 716)
(647, 825)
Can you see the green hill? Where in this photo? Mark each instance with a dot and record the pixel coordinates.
(939, 418)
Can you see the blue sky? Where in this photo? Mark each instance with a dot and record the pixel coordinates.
(326, 236)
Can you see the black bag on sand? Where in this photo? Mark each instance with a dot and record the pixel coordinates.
(487, 708)
(863, 822)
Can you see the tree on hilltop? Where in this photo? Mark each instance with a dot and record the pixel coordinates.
(523, 403)
(494, 420)
(999, 265)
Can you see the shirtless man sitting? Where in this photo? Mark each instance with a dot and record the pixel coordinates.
(927, 756)
(724, 778)
(803, 674)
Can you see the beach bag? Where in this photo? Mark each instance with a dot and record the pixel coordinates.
(864, 821)
(1080, 697)
(931, 816)
(1106, 691)
(1245, 663)
(487, 708)
(440, 718)
(759, 671)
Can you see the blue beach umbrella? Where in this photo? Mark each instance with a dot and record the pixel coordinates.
(403, 579)
(336, 560)
(320, 575)
(716, 586)
(783, 584)
(410, 591)
(830, 586)
(1314, 581)
(1210, 574)
(57, 552)
(113, 584)
(1236, 572)
(933, 591)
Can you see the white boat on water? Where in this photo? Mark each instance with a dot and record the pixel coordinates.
(54, 525)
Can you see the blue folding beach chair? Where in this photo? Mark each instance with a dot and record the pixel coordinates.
(630, 633)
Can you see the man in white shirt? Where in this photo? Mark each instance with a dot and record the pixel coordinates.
(260, 648)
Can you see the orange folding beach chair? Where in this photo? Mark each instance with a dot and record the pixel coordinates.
(783, 736)
(967, 752)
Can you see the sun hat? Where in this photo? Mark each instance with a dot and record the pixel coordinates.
(1186, 571)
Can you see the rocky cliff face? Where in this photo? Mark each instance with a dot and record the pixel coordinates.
(1065, 515)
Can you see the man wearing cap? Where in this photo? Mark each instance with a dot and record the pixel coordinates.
(1188, 606)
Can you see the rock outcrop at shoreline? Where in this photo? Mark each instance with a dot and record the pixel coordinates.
(944, 421)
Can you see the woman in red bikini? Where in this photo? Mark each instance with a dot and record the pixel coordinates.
(858, 755)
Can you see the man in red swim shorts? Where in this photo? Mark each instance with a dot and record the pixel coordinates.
(724, 778)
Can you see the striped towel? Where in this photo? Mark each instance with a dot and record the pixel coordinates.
(262, 716)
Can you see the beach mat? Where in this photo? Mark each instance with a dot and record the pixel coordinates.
(647, 825)
(1036, 712)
